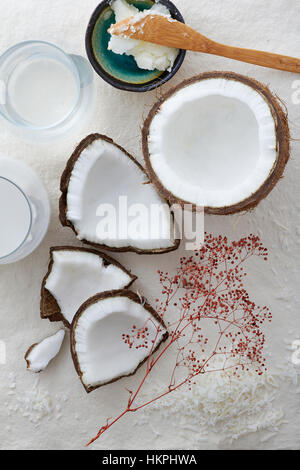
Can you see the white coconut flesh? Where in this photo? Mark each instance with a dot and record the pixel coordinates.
(101, 352)
(107, 188)
(77, 275)
(213, 143)
(40, 355)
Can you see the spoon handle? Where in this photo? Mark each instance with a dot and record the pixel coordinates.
(189, 39)
(251, 56)
(161, 30)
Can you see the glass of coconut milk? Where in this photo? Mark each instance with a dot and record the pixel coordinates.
(24, 211)
(44, 92)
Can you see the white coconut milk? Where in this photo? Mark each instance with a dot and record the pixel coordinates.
(15, 217)
(42, 91)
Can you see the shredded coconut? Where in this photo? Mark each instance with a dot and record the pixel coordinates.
(224, 404)
(35, 404)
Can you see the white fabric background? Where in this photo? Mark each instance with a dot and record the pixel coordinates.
(262, 24)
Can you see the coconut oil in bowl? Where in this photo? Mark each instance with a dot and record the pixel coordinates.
(122, 70)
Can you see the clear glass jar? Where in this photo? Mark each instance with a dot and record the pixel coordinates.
(44, 92)
(24, 210)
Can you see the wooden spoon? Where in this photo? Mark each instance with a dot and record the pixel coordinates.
(159, 29)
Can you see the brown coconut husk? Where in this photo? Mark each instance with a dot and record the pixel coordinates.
(27, 354)
(282, 133)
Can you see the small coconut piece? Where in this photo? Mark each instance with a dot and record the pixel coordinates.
(98, 349)
(39, 355)
(219, 141)
(101, 179)
(76, 274)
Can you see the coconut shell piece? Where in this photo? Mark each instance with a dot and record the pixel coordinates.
(49, 306)
(131, 296)
(282, 146)
(39, 355)
(63, 203)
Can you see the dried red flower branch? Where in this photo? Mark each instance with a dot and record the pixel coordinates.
(207, 291)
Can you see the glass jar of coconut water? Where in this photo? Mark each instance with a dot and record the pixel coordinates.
(44, 92)
(24, 211)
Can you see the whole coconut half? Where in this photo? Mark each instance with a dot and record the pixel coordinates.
(219, 141)
(100, 179)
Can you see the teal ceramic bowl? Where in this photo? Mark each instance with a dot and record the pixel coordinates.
(121, 71)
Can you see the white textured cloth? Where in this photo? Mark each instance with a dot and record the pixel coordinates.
(57, 413)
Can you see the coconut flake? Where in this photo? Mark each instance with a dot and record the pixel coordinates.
(39, 355)
(222, 403)
(35, 404)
